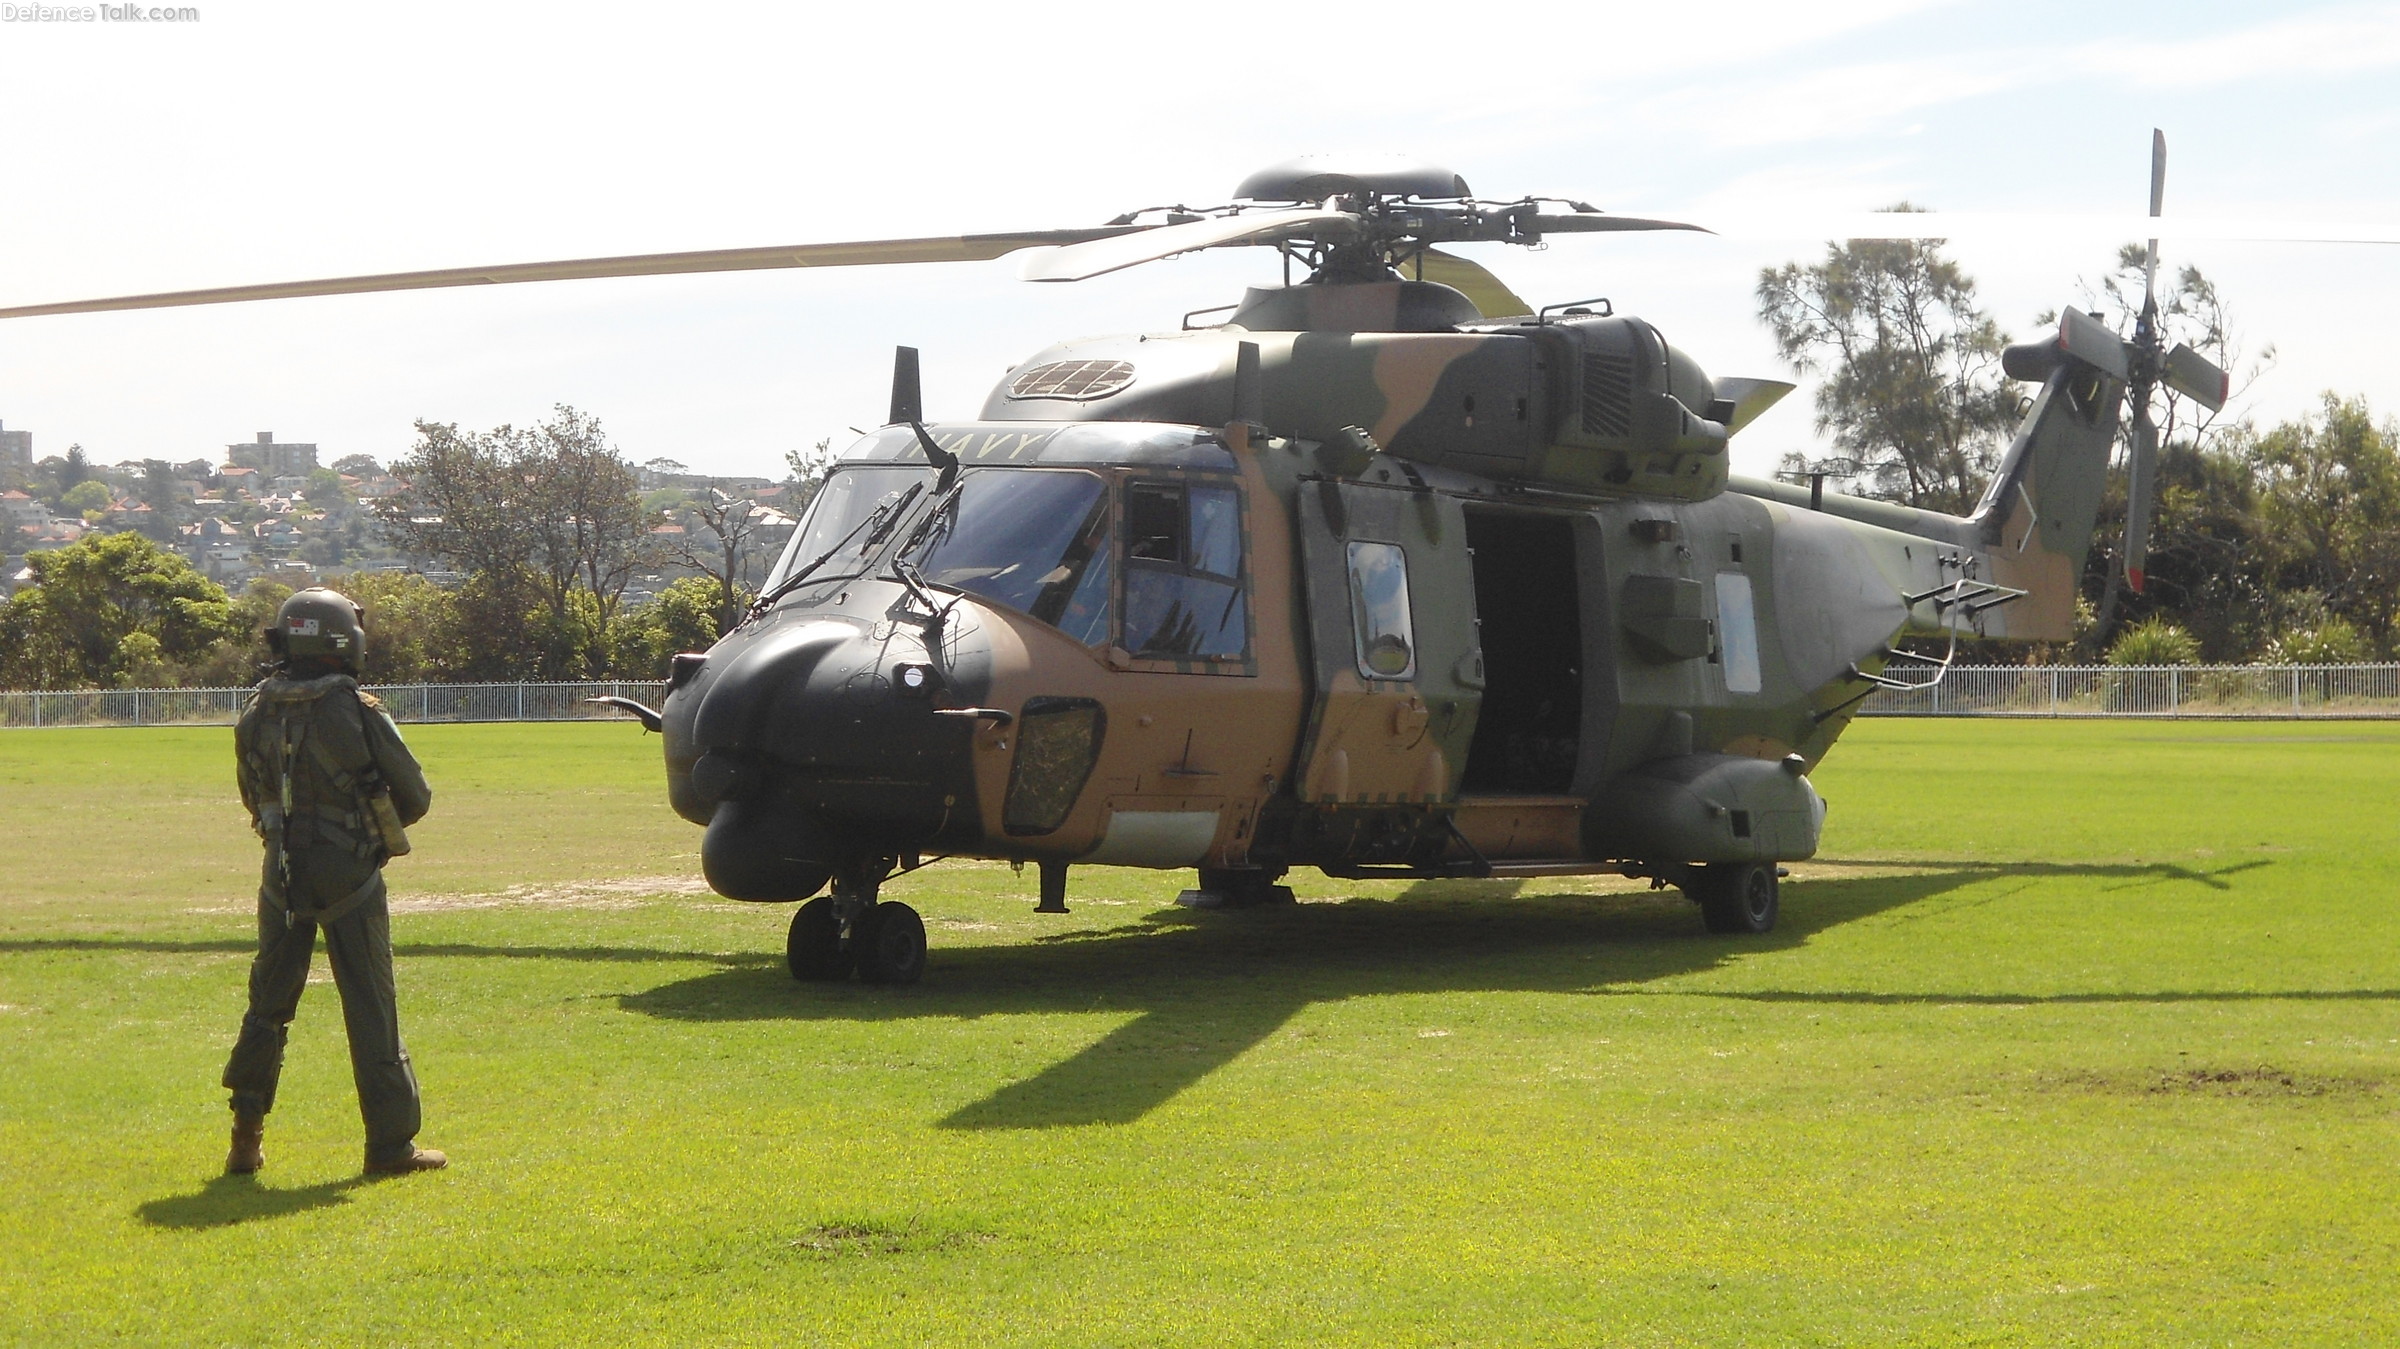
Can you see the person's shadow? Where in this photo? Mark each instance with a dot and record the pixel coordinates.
(228, 1200)
(1210, 985)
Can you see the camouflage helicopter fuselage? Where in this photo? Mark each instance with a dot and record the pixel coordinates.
(1359, 580)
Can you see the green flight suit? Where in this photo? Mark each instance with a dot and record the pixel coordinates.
(328, 745)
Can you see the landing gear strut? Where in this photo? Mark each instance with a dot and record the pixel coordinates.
(850, 929)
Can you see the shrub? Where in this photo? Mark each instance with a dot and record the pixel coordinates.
(2154, 641)
(2333, 641)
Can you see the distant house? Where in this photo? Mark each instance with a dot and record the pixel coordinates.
(20, 511)
(219, 551)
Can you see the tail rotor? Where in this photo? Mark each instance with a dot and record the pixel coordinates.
(2183, 370)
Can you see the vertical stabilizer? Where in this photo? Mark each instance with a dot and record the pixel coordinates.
(2036, 518)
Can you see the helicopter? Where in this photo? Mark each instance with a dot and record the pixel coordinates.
(1383, 571)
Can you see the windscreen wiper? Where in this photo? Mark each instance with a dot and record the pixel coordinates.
(878, 526)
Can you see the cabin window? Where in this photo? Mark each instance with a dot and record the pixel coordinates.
(1032, 539)
(1737, 631)
(1379, 614)
(1183, 572)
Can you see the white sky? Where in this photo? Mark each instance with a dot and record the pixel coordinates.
(273, 141)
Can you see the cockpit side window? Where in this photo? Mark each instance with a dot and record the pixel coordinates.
(1184, 596)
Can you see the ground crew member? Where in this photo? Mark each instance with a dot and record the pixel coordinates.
(329, 787)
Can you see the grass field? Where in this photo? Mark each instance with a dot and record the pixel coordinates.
(2077, 1034)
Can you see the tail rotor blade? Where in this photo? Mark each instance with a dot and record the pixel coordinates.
(2196, 377)
(2158, 201)
(2139, 495)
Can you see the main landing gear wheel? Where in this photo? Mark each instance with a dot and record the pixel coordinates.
(1737, 897)
(814, 949)
(888, 940)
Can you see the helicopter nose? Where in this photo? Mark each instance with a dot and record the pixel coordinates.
(819, 743)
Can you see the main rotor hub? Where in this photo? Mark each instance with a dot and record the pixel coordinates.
(1320, 178)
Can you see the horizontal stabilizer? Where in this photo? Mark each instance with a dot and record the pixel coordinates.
(2196, 377)
(2089, 340)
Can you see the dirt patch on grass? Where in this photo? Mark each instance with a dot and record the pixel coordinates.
(833, 1240)
(2260, 1083)
(623, 893)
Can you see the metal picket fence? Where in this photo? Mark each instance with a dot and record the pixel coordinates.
(2262, 692)
(2166, 691)
(407, 702)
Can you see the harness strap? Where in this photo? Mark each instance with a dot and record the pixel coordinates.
(340, 908)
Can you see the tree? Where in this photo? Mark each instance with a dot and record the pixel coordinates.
(2329, 515)
(325, 490)
(720, 543)
(72, 627)
(358, 465)
(89, 495)
(2204, 554)
(588, 516)
(1911, 389)
(682, 618)
(413, 630)
(805, 471)
(67, 471)
(162, 491)
(537, 516)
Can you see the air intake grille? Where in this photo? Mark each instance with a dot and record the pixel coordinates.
(1076, 380)
(1607, 394)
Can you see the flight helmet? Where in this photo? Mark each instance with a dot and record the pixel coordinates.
(323, 624)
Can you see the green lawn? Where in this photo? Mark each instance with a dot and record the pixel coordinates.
(2078, 1033)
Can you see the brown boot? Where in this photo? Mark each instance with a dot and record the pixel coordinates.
(416, 1159)
(247, 1155)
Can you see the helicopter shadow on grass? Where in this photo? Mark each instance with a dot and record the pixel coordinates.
(1211, 985)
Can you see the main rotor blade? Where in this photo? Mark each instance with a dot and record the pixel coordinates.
(1998, 226)
(1492, 297)
(1081, 261)
(874, 252)
(1597, 223)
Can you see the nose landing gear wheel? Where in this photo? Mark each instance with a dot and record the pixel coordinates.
(1738, 897)
(814, 949)
(888, 940)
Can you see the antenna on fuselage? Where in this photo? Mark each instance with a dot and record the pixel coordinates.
(908, 392)
(908, 407)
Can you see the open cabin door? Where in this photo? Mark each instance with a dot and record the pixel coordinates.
(1396, 663)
